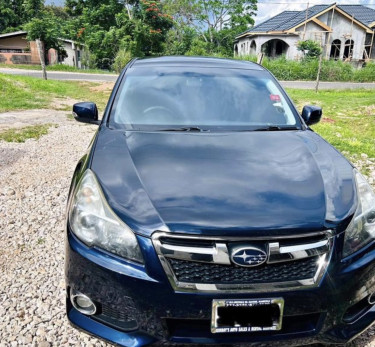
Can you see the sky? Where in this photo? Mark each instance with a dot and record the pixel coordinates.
(270, 8)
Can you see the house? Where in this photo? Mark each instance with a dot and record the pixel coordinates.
(344, 31)
(16, 49)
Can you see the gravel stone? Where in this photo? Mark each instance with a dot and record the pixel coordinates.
(35, 178)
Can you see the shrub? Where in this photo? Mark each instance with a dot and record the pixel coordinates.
(122, 58)
(309, 48)
(366, 74)
(307, 70)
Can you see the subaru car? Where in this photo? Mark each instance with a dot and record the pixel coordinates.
(207, 211)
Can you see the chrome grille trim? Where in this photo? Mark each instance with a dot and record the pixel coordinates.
(218, 253)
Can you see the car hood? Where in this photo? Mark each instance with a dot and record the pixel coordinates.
(224, 183)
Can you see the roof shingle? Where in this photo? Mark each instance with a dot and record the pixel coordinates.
(361, 13)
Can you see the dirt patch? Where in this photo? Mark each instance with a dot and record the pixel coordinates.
(63, 104)
(104, 87)
(21, 119)
(328, 120)
(369, 110)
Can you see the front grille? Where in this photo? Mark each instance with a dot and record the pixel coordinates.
(207, 264)
(194, 272)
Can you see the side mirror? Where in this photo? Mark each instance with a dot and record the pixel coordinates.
(86, 112)
(312, 114)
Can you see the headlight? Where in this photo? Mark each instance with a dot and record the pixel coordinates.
(361, 229)
(94, 223)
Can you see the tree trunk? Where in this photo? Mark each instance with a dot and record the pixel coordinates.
(41, 57)
(127, 6)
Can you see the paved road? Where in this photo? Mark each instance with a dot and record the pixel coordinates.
(58, 75)
(326, 85)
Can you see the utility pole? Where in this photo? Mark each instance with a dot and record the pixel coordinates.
(40, 47)
(319, 69)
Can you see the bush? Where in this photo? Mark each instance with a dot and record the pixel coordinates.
(122, 58)
(366, 74)
(307, 70)
(309, 48)
(88, 60)
(336, 71)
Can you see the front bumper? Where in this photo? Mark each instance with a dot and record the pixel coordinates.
(124, 291)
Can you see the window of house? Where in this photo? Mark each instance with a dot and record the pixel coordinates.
(335, 49)
(348, 51)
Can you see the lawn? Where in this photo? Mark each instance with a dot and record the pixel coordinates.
(57, 67)
(22, 92)
(348, 118)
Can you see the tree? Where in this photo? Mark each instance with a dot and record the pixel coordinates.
(58, 12)
(11, 15)
(33, 8)
(43, 28)
(217, 22)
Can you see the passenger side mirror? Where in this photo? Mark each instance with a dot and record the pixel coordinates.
(312, 114)
(86, 112)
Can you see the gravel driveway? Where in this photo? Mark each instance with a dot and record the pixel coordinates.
(35, 178)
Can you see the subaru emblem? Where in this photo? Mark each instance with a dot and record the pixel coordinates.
(248, 256)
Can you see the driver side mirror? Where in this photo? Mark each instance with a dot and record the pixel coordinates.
(312, 114)
(86, 112)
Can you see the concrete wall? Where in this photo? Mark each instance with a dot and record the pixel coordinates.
(71, 59)
(74, 52)
(244, 44)
(29, 53)
(15, 58)
(34, 53)
(343, 29)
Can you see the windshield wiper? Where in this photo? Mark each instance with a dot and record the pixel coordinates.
(196, 129)
(276, 128)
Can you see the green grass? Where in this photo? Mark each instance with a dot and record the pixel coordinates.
(348, 118)
(23, 92)
(23, 134)
(58, 67)
(306, 70)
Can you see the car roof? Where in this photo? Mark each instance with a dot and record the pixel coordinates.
(206, 62)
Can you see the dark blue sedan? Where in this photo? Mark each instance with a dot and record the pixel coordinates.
(207, 211)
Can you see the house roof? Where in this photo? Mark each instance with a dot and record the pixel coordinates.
(288, 20)
(274, 23)
(19, 33)
(362, 13)
(15, 33)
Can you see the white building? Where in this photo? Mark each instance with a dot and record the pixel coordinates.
(73, 50)
(344, 31)
(16, 49)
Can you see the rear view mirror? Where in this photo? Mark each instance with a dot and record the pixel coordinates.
(312, 114)
(86, 112)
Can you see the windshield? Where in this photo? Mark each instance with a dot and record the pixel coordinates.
(171, 98)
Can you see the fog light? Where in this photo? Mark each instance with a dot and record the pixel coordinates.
(371, 299)
(82, 303)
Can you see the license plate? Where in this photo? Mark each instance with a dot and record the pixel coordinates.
(248, 315)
